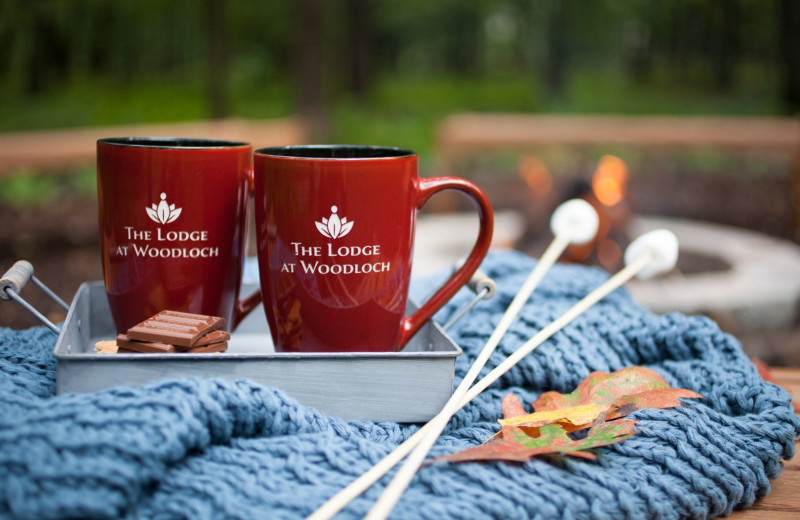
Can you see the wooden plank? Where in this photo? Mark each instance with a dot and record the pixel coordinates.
(789, 379)
(762, 514)
(794, 464)
(60, 150)
(785, 375)
(474, 133)
(783, 496)
(470, 134)
(783, 501)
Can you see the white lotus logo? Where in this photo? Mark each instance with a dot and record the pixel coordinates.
(164, 213)
(333, 226)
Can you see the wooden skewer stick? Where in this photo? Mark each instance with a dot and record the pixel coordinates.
(573, 222)
(648, 255)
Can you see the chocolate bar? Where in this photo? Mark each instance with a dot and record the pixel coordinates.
(220, 346)
(213, 348)
(215, 336)
(125, 342)
(181, 329)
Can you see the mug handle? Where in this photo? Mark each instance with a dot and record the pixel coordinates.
(246, 306)
(425, 188)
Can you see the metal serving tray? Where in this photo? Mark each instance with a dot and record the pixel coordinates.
(408, 386)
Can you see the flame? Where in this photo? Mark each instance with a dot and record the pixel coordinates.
(536, 175)
(610, 180)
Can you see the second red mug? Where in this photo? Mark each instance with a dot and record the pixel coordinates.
(335, 229)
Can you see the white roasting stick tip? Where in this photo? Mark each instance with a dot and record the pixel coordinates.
(573, 222)
(653, 253)
(662, 244)
(577, 219)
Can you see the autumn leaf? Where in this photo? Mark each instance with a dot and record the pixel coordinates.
(571, 418)
(666, 398)
(516, 445)
(594, 408)
(616, 395)
(602, 387)
(512, 407)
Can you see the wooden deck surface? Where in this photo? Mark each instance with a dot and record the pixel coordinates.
(783, 502)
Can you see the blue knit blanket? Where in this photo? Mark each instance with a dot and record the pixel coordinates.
(201, 449)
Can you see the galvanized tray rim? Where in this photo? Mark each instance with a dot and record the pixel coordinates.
(93, 356)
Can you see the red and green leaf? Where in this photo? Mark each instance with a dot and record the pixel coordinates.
(512, 407)
(516, 445)
(667, 398)
(596, 404)
(604, 388)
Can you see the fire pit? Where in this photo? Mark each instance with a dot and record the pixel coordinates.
(746, 280)
(746, 276)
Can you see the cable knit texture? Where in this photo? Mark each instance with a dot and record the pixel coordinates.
(201, 449)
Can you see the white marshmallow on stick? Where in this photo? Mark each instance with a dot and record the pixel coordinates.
(650, 254)
(573, 222)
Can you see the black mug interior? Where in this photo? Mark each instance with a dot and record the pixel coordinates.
(172, 142)
(336, 152)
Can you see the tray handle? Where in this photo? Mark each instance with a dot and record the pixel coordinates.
(484, 289)
(482, 285)
(16, 278)
(14, 281)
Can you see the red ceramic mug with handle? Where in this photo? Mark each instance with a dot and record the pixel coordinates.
(172, 226)
(335, 229)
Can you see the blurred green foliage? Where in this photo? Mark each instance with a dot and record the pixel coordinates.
(386, 72)
(28, 188)
(114, 61)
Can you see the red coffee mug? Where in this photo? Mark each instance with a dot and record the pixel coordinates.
(335, 228)
(172, 226)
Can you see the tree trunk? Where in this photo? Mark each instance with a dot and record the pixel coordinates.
(557, 38)
(725, 45)
(640, 60)
(308, 61)
(218, 69)
(358, 46)
(789, 44)
(49, 57)
(463, 38)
